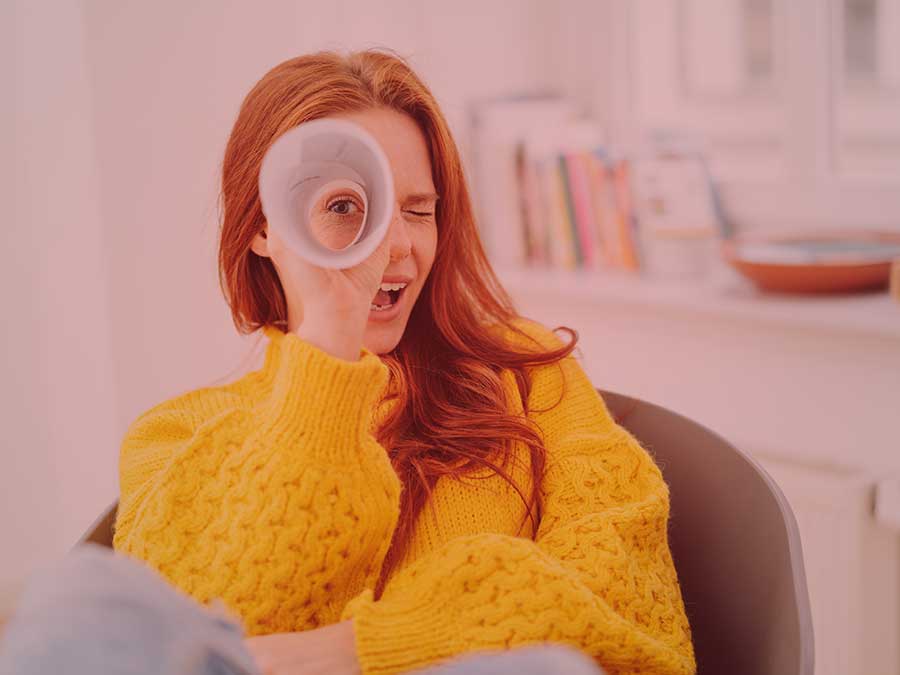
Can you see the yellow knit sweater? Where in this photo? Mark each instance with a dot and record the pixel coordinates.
(272, 494)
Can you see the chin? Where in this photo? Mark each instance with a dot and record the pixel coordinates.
(382, 339)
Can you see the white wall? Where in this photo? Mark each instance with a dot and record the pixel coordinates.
(121, 114)
(59, 406)
(167, 86)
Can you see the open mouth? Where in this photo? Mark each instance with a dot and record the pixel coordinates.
(387, 298)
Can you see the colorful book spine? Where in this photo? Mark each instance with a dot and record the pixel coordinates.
(547, 189)
(526, 215)
(544, 232)
(535, 214)
(575, 206)
(610, 219)
(627, 230)
(569, 211)
(563, 247)
(602, 207)
(580, 191)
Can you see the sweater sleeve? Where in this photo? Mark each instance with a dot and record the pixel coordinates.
(598, 576)
(269, 504)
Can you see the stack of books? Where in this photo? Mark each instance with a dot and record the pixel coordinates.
(577, 209)
(548, 191)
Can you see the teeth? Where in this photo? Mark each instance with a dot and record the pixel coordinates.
(379, 308)
(392, 287)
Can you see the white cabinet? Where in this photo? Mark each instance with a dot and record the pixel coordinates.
(798, 105)
(811, 388)
(852, 569)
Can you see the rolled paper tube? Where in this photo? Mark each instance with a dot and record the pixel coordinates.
(301, 162)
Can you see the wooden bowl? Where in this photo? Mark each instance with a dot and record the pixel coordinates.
(839, 261)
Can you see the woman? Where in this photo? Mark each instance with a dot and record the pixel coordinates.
(409, 476)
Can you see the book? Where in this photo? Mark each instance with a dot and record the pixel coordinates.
(580, 189)
(499, 126)
(568, 201)
(625, 220)
(564, 244)
(603, 201)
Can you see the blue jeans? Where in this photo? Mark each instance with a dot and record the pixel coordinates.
(97, 612)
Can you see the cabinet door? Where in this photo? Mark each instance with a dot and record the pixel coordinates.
(716, 70)
(851, 569)
(795, 102)
(866, 63)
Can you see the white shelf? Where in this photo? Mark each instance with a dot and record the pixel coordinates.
(725, 296)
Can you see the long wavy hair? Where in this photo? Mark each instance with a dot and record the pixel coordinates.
(452, 416)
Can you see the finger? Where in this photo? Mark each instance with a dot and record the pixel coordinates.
(260, 656)
(382, 254)
(371, 269)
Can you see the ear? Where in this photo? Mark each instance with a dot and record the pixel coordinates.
(260, 245)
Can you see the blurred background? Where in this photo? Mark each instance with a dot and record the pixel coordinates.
(615, 149)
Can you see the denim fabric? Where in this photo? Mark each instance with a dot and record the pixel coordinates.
(536, 660)
(98, 612)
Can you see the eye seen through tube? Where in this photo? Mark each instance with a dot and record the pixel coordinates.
(337, 214)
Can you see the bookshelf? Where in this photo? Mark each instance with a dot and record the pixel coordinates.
(570, 223)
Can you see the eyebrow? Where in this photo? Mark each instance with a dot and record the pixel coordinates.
(422, 197)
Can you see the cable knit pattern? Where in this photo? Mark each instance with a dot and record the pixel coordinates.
(272, 494)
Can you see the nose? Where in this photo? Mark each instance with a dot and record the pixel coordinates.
(400, 242)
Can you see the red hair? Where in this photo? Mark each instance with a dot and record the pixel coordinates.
(453, 415)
